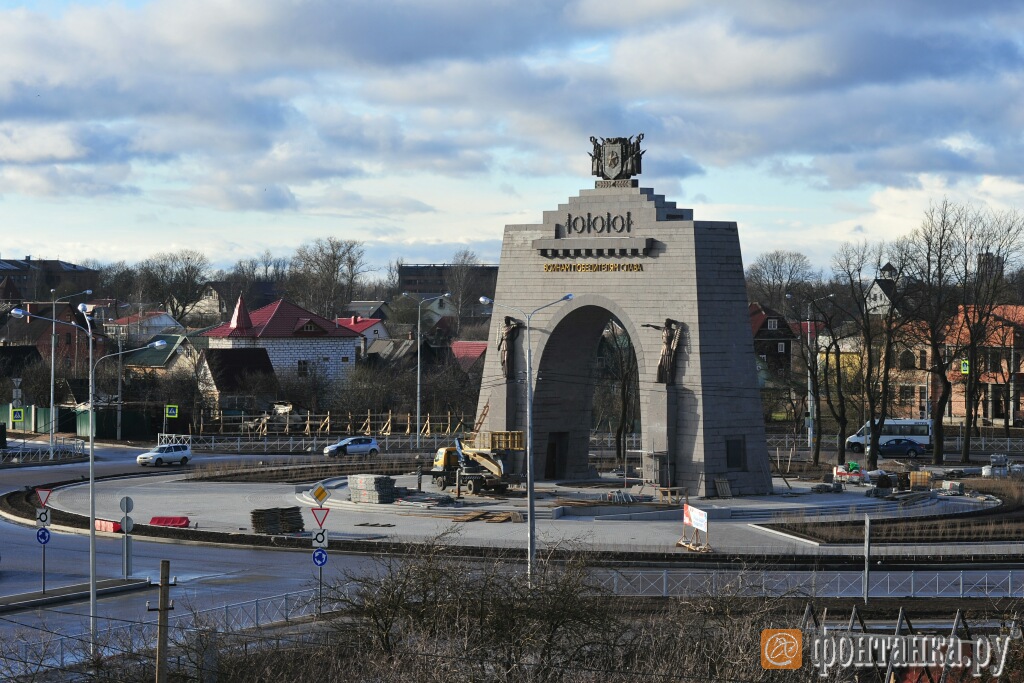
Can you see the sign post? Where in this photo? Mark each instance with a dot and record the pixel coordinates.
(694, 520)
(170, 412)
(320, 493)
(42, 532)
(127, 524)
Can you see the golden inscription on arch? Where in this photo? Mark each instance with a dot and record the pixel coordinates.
(593, 267)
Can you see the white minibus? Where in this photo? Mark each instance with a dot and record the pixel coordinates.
(917, 430)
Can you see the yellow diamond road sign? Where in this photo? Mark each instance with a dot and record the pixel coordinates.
(320, 493)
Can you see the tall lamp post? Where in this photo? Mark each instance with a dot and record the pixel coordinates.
(19, 313)
(53, 358)
(419, 344)
(532, 528)
(810, 387)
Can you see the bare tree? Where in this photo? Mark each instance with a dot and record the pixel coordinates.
(991, 244)
(933, 252)
(840, 381)
(177, 279)
(875, 308)
(462, 281)
(773, 275)
(324, 273)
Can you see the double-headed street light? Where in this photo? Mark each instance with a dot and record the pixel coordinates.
(810, 386)
(19, 313)
(53, 358)
(419, 344)
(531, 529)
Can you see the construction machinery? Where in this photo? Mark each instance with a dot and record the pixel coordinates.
(483, 463)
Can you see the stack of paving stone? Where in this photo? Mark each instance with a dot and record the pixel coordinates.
(371, 488)
(277, 521)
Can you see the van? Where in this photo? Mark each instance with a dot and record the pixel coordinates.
(179, 453)
(916, 430)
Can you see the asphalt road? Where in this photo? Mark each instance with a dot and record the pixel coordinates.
(207, 576)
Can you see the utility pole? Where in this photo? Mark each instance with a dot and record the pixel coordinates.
(165, 605)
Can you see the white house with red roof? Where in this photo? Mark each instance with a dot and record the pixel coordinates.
(371, 328)
(140, 327)
(297, 341)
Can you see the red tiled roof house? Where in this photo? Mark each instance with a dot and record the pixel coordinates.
(298, 342)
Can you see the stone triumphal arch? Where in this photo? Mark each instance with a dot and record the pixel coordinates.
(676, 286)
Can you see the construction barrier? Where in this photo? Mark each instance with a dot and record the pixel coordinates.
(108, 525)
(181, 522)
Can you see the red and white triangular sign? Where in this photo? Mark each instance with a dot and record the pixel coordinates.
(320, 514)
(44, 495)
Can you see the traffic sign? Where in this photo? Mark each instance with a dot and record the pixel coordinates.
(127, 524)
(321, 493)
(43, 536)
(42, 517)
(320, 514)
(43, 495)
(320, 538)
(170, 411)
(965, 367)
(18, 415)
(319, 557)
(127, 504)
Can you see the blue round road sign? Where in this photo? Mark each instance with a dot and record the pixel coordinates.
(43, 536)
(319, 557)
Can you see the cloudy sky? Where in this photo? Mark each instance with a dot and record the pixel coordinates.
(424, 126)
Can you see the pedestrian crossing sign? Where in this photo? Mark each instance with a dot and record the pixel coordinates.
(18, 415)
(170, 411)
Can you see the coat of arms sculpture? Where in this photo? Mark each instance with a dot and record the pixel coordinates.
(616, 158)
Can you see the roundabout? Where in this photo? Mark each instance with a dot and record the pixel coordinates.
(598, 516)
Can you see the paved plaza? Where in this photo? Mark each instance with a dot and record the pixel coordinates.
(594, 516)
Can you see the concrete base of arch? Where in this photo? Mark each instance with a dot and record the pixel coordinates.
(625, 252)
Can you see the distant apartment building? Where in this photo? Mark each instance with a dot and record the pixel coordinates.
(34, 278)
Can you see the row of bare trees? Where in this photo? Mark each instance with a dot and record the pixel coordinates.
(323, 275)
(938, 290)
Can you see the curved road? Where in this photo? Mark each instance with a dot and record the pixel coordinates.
(207, 576)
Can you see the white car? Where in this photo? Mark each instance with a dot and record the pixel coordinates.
(179, 453)
(354, 445)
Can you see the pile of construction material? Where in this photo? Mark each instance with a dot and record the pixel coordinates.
(277, 521)
(371, 488)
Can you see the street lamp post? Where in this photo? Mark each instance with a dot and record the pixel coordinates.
(419, 344)
(810, 386)
(532, 528)
(53, 358)
(19, 313)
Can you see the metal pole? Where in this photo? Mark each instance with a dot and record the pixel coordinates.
(120, 374)
(810, 390)
(92, 492)
(531, 526)
(419, 344)
(53, 361)
(867, 557)
(531, 538)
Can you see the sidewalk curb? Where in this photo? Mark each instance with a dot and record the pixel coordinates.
(72, 593)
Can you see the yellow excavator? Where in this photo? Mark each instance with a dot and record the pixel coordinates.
(478, 469)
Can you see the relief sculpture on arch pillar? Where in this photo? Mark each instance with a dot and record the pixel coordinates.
(671, 333)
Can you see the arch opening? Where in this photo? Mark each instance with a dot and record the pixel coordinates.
(587, 381)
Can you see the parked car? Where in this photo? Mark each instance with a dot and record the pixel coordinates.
(905, 447)
(353, 445)
(179, 453)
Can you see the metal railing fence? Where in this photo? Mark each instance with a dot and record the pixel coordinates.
(18, 657)
(32, 452)
(299, 444)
